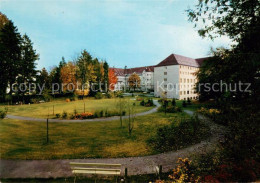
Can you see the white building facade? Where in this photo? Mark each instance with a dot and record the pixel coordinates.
(174, 77)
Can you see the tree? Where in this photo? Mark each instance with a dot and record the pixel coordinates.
(240, 20)
(121, 105)
(233, 18)
(27, 67)
(99, 67)
(112, 78)
(131, 116)
(44, 79)
(55, 73)
(68, 77)
(134, 81)
(85, 69)
(10, 56)
(106, 77)
(3, 20)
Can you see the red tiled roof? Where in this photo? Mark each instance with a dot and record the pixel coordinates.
(175, 59)
(137, 70)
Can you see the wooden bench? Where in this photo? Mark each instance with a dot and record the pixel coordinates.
(95, 168)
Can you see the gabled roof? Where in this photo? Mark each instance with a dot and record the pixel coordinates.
(175, 59)
(137, 70)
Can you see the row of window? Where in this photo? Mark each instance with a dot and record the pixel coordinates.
(187, 80)
(189, 68)
(187, 92)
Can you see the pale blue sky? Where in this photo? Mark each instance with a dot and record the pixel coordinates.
(123, 32)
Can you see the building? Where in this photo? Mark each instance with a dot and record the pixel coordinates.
(174, 77)
(145, 73)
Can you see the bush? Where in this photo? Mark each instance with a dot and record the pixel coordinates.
(170, 109)
(86, 115)
(184, 104)
(57, 115)
(47, 97)
(173, 102)
(64, 115)
(98, 95)
(188, 101)
(3, 113)
(35, 100)
(110, 94)
(67, 100)
(174, 137)
(142, 103)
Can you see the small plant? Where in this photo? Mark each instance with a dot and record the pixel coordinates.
(57, 115)
(173, 102)
(188, 101)
(64, 115)
(3, 113)
(98, 95)
(142, 103)
(72, 116)
(184, 103)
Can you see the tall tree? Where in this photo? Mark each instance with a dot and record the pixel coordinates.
(240, 21)
(68, 77)
(27, 67)
(112, 78)
(85, 69)
(10, 56)
(134, 81)
(106, 78)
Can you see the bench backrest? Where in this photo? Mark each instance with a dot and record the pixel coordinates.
(95, 168)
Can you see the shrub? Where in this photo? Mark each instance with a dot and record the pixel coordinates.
(142, 103)
(150, 102)
(3, 113)
(67, 100)
(64, 115)
(188, 101)
(170, 109)
(72, 116)
(57, 115)
(110, 94)
(184, 104)
(173, 102)
(184, 172)
(98, 95)
(174, 137)
(35, 100)
(86, 115)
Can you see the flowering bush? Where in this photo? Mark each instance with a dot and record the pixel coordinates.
(184, 172)
(208, 112)
(86, 115)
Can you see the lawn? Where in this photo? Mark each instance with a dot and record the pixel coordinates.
(45, 110)
(27, 140)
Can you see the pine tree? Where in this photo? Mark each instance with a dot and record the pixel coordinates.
(10, 56)
(106, 79)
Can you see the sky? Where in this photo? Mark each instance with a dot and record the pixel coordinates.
(128, 33)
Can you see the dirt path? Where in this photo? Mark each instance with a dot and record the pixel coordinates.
(156, 103)
(135, 165)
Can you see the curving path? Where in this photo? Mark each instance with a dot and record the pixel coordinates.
(156, 103)
(135, 165)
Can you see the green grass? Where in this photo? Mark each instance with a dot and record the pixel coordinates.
(45, 110)
(27, 140)
(195, 105)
